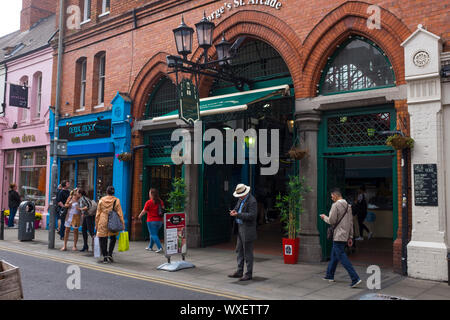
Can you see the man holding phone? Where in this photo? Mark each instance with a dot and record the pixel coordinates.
(245, 213)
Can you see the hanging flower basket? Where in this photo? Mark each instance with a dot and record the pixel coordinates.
(124, 156)
(399, 142)
(297, 153)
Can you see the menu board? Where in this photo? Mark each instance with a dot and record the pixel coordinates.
(425, 185)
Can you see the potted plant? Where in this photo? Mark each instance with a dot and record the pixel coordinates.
(399, 142)
(6, 215)
(37, 220)
(291, 206)
(177, 197)
(124, 156)
(297, 153)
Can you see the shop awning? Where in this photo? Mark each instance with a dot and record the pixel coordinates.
(233, 102)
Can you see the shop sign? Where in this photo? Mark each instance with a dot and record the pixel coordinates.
(425, 185)
(189, 101)
(85, 131)
(25, 138)
(175, 233)
(18, 96)
(228, 6)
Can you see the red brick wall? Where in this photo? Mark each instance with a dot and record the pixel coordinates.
(33, 10)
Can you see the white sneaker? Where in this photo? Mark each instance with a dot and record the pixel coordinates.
(359, 239)
(370, 235)
(158, 251)
(149, 249)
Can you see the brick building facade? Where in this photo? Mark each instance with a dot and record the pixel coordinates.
(134, 37)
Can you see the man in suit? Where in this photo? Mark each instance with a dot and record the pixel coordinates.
(245, 213)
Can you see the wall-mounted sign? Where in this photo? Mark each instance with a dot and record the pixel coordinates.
(18, 96)
(189, 101)
(425, 185)
(85, 131)
(230, 5)
(25, 138)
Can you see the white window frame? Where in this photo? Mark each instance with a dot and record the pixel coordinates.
(83, 70)
(105, 8)
(38, 96)
(101, 79)
(87, 11)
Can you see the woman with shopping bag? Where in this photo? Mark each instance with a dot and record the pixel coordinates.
(107, 205)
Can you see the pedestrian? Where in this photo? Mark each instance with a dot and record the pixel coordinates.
(105, 205)
(361, 212)
(13, 203)
(61, 200)
(73, 219)
(245, 213)
(87, 219)
(154, 220)
(57, 220)
(341, 220)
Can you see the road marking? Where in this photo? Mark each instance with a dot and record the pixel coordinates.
(130, 275)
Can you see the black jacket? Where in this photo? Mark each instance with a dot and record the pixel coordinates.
(13, 199)
(248, 214)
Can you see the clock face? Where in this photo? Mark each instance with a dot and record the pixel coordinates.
(118, 112)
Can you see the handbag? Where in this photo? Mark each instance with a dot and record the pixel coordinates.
(124, 242)
(161, 210)
(330, 230)
(114, 222)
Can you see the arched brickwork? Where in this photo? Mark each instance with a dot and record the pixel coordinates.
(350, 19)
(261, 26)
(149, 75)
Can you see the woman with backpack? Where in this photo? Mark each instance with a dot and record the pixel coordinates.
(88, 210)
(154, 209)
(105, 206)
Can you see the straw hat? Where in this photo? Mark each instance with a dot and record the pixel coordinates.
(241, 190)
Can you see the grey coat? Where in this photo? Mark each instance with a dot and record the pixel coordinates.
(248, 215)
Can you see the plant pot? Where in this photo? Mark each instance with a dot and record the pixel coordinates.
(399, 142)
(297, 153)
(290, 250)
(36, 224)
(126, 156)
(6, 220)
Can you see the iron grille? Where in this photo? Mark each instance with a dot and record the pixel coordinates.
(256, 60)
(358, 130)
(161, 145)
(163, 100)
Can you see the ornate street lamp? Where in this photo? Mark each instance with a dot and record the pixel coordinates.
(223, 51)
(205, 29)
(183, 38)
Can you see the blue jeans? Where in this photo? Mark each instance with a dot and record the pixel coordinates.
(12, 213)
(153, 229)
(338, 254)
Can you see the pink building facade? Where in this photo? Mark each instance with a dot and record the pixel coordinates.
(24, 136)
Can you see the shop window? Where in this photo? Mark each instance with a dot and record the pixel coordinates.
(85, 176)
(163, 99)
(32, 181)
(9, 158)
(104, 175)
(358, 64)
(358, 130)
(68, 172)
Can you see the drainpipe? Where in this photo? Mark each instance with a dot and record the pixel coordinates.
(4, 94)
(54, 185)
(404, 211)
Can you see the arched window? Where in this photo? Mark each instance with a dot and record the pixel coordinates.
(358, 64)
(163, 99)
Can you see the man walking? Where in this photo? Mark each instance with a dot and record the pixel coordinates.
(341, 220)
(245, 213)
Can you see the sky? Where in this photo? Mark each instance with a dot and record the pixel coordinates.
(9, 16)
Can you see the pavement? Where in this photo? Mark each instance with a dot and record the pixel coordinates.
(272, 279)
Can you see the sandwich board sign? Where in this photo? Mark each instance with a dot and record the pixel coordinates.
(175, 241)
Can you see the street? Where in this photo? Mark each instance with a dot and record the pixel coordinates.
(45, 278)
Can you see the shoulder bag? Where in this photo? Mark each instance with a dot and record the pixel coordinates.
(114, 223)
(161, 210)
(330, 230)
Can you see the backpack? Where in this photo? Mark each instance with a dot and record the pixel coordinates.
(92, 210)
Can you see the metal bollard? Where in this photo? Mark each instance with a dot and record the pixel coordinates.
(2, 225)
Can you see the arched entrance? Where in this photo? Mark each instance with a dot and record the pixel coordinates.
(258, 61)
